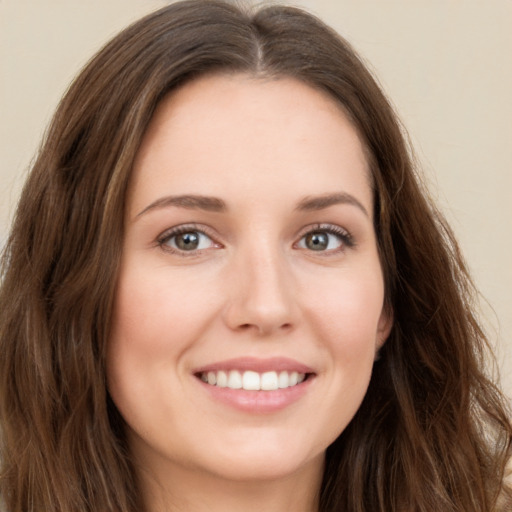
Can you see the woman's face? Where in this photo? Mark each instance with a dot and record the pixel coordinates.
(249, 262)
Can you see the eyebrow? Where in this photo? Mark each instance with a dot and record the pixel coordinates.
(214, 204)
(312, 203)
(190, 202)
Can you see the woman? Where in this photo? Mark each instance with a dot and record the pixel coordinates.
(225, 288)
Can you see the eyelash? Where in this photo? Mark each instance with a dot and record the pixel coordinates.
(346, 239)
(165, 237)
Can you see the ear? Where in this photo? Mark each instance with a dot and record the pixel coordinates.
(384, 326)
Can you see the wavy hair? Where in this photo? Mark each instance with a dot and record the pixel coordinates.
(432, 433)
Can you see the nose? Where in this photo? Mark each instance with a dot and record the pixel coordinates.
(261, 298)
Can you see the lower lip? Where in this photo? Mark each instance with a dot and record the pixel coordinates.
(258, 402)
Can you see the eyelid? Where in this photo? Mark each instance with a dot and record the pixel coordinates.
(163, 237)
(346, 237)
(347, 240)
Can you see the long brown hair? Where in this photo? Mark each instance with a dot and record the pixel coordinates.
(432, 433)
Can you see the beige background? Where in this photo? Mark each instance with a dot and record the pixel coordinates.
(446, 64)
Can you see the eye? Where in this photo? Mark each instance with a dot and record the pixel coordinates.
(325, 239)
(185, 240)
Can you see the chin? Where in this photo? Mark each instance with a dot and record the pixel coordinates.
(266, 458)
(265, 467)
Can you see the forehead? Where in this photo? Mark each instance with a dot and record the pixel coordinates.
(256, 132)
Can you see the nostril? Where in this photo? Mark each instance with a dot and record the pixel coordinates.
(262, 329)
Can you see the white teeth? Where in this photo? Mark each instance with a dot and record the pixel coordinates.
(222, 379)
(253, 381)
(234, 380)
(269, 381)
(284, 380)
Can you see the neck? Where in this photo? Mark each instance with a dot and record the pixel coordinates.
(189, 490)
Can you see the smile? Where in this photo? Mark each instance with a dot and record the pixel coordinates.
(251, 380)
(254, 385)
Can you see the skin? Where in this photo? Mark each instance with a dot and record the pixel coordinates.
(254, 288)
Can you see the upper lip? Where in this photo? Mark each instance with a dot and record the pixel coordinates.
(259, 365)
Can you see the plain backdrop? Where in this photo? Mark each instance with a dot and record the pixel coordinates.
(446, 65)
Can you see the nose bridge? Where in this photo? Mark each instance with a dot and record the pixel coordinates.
(262, 290)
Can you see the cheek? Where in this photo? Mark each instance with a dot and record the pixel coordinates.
(348, 313)
(151, 328)
(154, 324)
(347, 321)
(156, 314)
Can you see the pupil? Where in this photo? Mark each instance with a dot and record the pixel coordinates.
(317, 241)
(187, 241)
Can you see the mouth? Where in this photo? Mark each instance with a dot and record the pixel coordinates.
(253, 385)
(250, 380)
